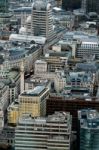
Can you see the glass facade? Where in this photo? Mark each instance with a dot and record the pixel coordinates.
(89, 139)
(93, 6)
(3, 6)
(89, 129)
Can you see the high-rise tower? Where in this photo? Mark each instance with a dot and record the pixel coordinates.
(89, 129)
(90, 5)
(41, 21)
(83, 5)
(22, 78)
(3, 6)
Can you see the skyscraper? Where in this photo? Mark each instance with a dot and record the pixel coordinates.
(50, 133)
(89, 129)
(93, 6)
(22, 78)
(3, 6)
(90, 5)
(42, 23)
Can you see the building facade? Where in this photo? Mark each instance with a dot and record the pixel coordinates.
(92, 6)
(60, 103)
(42, 23)
(13, 113)
(33, 101)
(3, 6)
(51, 133)
(40, 66)
(89, 129)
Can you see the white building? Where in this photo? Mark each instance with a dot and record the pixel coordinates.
(55, 77)
(51, 133)
(42, 22)
(40, 66)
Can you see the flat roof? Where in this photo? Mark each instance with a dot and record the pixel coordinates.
(35, 92)
(26, 38)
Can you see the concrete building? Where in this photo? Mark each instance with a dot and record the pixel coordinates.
(57, 78)
(60, 81)
(89, 46)
(13, 113)
(22, 78)
(9, 90)
(53, 132)
(42, 23)
(23, 52)
(89, 129)
(57, 58)
(40, 66)
(30, 101)
(11, 79)
(80, 83)
(34, 81)
(34, 101)
(82, 43)
(7, 136)
(4, 102)
(66, 20)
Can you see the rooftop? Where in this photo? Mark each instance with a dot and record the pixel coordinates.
(35, 92)
(41, 5)
(89, 118)
(57, 117)
(13, 106)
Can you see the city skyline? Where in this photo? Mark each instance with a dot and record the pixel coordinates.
(49, 75)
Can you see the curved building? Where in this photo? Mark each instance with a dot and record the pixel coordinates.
(14, 55)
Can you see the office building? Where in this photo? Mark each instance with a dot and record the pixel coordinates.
(33, 81)
(7, 136)
(34, 101)
(13, 113)
(90, 6)
(89, 129)
(42, 23)
(72, 105)
(3, 6)
(88, 46)
(50, 133)
(93, 6)
(11, 80)
(40, 66)
(83, 43)
(22, 78)
(9, 90)
(14, 57)
(4, 97)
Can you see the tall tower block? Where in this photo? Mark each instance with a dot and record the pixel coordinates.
(22, 78)
(42, 22)
(84, 5)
